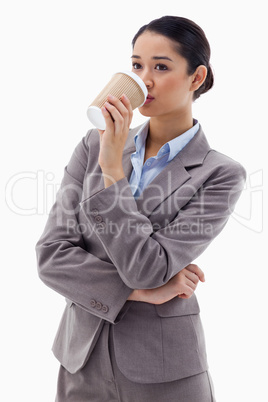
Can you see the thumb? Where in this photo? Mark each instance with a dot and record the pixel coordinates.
(201, 275)
(101, 134)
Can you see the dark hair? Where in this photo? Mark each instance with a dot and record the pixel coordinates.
(190, 42)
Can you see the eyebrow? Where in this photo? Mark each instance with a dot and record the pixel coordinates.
(154, 57)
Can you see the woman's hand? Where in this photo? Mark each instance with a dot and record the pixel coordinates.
(182, 285)
(118, 115)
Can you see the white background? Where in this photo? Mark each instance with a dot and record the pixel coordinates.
(55, 57)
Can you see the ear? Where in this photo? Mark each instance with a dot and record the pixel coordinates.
(198, 77)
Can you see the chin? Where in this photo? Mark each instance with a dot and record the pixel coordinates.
(146, 112)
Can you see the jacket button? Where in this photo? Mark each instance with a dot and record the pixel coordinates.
(98, 218)
(98, 306)
(95, 212)
(100, 225)
(93, 303)
(105, 309)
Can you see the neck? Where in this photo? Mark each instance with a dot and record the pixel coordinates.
(163, 129)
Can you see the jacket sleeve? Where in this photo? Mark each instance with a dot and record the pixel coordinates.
(146, 258)
(64, 264)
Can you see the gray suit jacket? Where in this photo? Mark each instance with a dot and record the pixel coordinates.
(99, 244)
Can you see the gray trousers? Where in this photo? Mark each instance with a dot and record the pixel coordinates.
(101, 381)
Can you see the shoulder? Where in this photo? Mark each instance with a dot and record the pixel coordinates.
(91, 138)
(224, 165)
(201, 159)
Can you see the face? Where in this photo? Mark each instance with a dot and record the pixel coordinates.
(164, 72)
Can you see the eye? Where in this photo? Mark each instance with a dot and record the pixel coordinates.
(161, 67)
(136, 66)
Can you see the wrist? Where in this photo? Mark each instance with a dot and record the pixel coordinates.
(138, 295)
(111, 176)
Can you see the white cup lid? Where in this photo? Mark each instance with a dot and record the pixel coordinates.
(95, 115)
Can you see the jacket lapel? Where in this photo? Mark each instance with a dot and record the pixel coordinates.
(129, 149)
(174, 175)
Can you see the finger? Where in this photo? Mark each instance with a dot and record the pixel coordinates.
(201, 275)
(116, 116)
(108, 119)
(191, 276)
(187, 291)
(118, 104)
(187, 284)
(124, 107)
(196, 270)
(122, 103)
(101, 133)
(184, 296)
(126, 102)
(191, 284)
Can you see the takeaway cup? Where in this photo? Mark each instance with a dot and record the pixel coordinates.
(125, 82)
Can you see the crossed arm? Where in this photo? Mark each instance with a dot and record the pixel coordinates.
(185, 282)
(69, 267)
(223, 190)
(182, 285)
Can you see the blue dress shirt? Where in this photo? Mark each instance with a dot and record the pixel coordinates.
(143, 173)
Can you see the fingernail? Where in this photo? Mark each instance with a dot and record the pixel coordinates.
(111, 97)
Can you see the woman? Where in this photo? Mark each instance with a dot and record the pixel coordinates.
(135, 208)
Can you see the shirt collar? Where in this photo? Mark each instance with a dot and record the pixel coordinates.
(178, 143)
(173, 147)
(141, 136)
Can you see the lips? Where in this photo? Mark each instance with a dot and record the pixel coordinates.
(149, 99)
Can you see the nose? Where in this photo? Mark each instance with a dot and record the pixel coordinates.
(147, 78)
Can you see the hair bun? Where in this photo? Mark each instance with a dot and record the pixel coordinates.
(209, 79)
